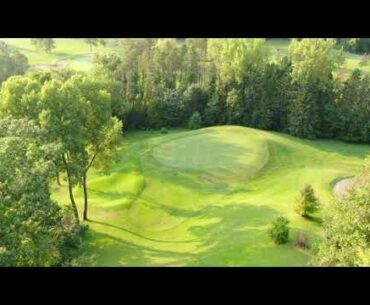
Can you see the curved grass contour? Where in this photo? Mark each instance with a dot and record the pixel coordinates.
(207, 197)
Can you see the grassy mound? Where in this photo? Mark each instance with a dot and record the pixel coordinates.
(207, 197)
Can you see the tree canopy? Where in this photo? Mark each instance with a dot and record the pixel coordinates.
(34, 230)
(12, 62)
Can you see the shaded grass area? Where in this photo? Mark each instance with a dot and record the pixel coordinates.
(207, 197)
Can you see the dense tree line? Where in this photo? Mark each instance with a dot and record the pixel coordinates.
(163, 82)
(355, 45)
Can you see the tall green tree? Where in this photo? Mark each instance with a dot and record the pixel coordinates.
(313, 63)
(215, 112)
(167, 109)
(101, 131)
(235, 58)
(353, 108)
(168, 61)
(195, 62)
(272, 111)
(138, 80)
(240, 64)
(109, 66)
(75, 111)
(34, 230)
(195, 99)
(82, 108)
(63, 115)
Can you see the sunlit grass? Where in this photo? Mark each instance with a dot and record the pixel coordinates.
(207, 197)
(75, 51)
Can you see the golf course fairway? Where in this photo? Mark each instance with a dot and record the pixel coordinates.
(207, 197)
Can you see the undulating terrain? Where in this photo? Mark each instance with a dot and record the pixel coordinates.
(207, 197)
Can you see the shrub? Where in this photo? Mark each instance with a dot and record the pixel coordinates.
(302, 240)
(307, 202)
(164, 130)
(195, 121)
(279, 230)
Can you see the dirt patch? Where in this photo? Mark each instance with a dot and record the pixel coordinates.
(92, 55)
(61, 63)
(42, 67)
(343, 186)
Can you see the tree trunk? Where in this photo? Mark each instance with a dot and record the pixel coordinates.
(73, 202)
(84, 186)
(58, 179)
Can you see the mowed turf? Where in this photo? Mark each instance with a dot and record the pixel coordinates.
(74, 51)
(207, 197)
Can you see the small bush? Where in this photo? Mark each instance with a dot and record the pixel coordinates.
(307, 202)
(164, 130)
(279, 230)
(302, 240)
(195, 121)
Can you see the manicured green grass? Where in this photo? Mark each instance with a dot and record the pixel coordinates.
(207, 197)
(75, 51)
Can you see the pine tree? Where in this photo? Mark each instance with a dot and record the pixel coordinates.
(307, 203)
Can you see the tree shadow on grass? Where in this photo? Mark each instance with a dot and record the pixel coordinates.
(113, 195)
(342, 148)
(112, 251)
(220, 242)
(239, 226)
(173, 211)
(140, 235)
(315, 219)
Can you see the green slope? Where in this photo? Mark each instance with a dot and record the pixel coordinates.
(207, 197)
